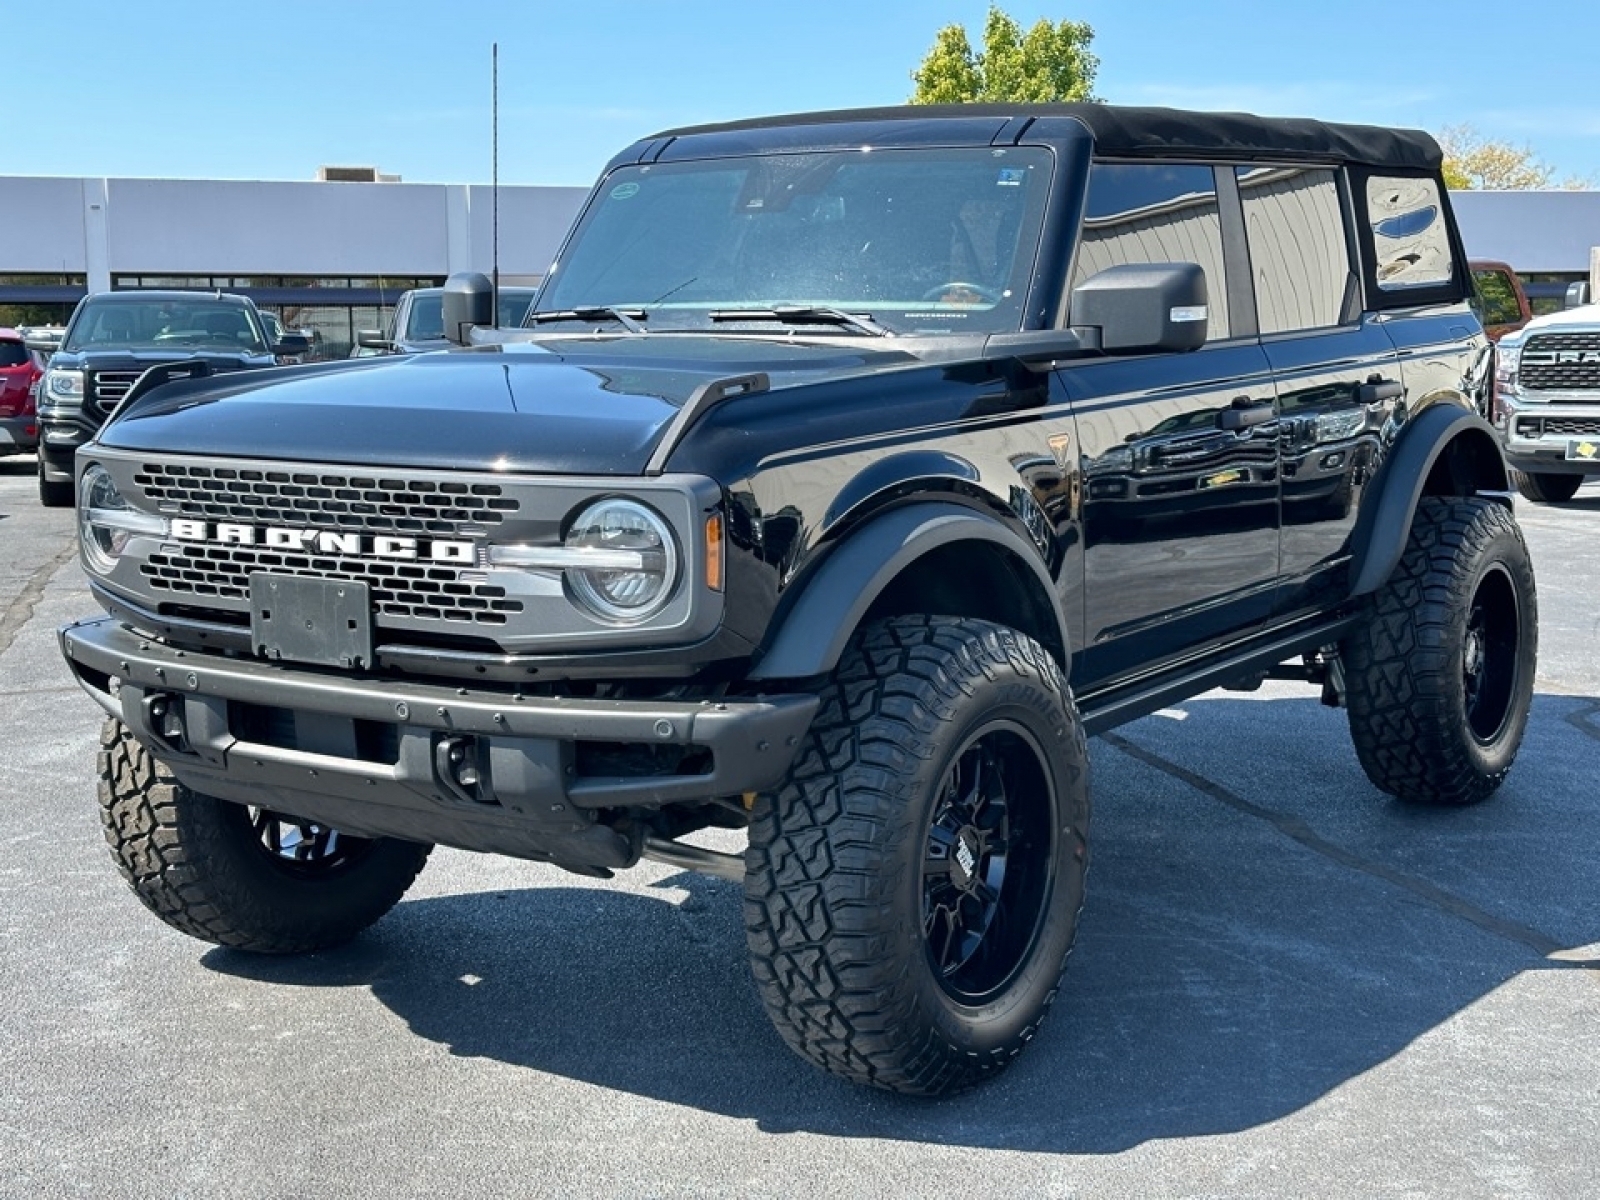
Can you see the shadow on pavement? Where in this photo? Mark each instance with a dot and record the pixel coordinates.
(1236, 962)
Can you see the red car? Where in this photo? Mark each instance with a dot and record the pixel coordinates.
(19, 389)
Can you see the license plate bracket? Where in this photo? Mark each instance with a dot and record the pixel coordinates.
(321, 622)
(1583, 450)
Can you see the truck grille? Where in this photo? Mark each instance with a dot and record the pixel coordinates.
(1561, 362)
(107, 388)
(324, 500)
(195, 574)
(1532, 427)
(420, 592)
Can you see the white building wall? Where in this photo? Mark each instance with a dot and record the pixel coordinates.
(1533, 231)
(42, 230)
(105, 227)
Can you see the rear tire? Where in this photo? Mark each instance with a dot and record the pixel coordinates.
(1439, 680)
(912, 891)
(237, 876)
(1545, 488)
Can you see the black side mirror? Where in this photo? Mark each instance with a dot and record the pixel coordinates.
(1577, 295)
(1144, 307)
(292, 343)
(373, 339)
(468, 302)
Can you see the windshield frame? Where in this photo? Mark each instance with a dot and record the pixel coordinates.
(1009, 188)
(164, 323)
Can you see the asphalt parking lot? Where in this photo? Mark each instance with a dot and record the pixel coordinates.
(1285, 985)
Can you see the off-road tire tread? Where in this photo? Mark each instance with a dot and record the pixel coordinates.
(170, 847)
(1398, 670)
(811, 897)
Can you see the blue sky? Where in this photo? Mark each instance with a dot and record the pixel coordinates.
(183, 89)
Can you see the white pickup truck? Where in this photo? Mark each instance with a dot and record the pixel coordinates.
(1547, 402)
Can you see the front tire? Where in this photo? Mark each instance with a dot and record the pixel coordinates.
(1439, 679)
(912, 891)
(53, 494)
(241, 877)
(1547, 488)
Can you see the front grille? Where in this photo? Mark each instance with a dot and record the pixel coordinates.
(324, 500)
(1532, 427)
(217, 576)
(419, 592)
(1564, 362)
(107, 388)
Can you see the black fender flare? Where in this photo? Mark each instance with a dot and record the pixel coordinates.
(1384, 523)
(810, 636)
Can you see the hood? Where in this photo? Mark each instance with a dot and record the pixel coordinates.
(111, 359)
(1585, 317)
(567, 406)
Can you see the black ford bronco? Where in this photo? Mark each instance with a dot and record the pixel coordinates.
(848, 472)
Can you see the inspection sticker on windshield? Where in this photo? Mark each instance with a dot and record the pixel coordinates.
(624, 191)
(1011, 176)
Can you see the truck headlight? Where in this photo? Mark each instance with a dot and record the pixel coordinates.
(625, 561)
(1507, 362)
(106, 523)
(620, 561)
(64, 384)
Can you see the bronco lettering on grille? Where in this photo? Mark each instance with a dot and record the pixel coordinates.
(327, 541)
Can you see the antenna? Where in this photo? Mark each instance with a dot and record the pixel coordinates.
(494, 173)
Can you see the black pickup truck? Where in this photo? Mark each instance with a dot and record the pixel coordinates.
(114, 338)
(851, 470)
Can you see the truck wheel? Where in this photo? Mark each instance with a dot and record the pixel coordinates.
(237, 876)
(913, 889)
(1545, 488)
(1439, 679)
(51, 493)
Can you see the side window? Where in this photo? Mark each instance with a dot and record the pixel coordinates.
(1409, 235)
(1155, 213)
(1496, 297)
(1298, 254)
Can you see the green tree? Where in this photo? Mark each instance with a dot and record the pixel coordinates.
(1048, 63)
(1473, 162)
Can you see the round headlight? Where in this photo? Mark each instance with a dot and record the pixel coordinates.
(98, 497)
(635, 561)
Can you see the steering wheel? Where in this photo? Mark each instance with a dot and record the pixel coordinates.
(987, 295)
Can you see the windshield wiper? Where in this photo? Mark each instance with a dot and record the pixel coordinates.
(628, 318)
(803, 314)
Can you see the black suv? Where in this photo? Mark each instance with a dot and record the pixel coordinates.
(114, 338)
(856, 467)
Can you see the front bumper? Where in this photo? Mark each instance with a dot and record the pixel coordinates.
(1536, 435)
(374, 757)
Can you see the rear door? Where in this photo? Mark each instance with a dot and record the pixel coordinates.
(1336, 373)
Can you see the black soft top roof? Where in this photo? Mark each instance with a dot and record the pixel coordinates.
(1165, 132)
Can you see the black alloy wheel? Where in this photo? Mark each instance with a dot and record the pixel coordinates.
(988, 871)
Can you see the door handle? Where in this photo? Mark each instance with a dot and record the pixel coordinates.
(1377, 389)
(1245, 412)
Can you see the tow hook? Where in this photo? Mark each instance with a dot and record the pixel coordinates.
(458, 762)
(163, 715)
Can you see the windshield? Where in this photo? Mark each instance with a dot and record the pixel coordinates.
(922, 241)
(205, 324)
